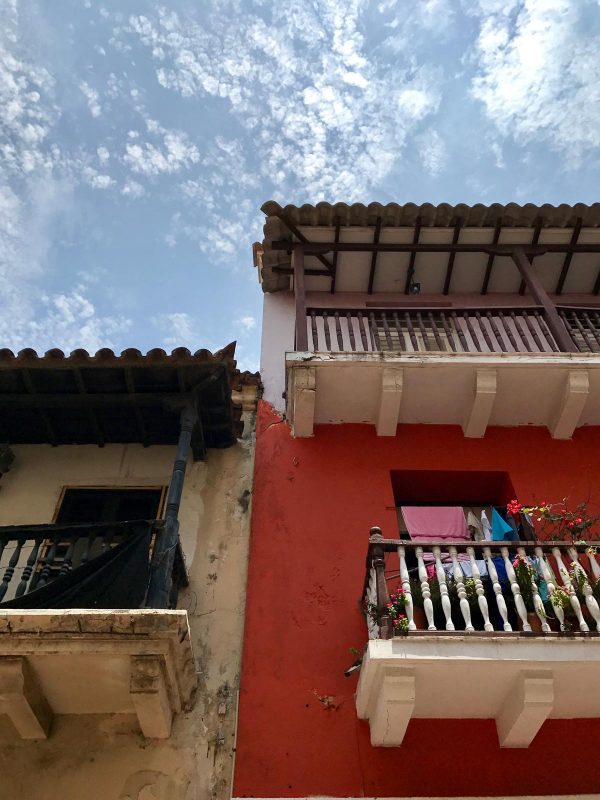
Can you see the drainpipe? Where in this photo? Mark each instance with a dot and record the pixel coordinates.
(163, 558)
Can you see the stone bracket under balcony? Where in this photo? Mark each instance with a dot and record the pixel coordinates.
(95, 662)
(559, 391)
(517, 680)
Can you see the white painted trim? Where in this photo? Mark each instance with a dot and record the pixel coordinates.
(577, 389)
(389, 403)
(486, 381)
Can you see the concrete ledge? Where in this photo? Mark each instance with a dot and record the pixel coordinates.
(95, 662)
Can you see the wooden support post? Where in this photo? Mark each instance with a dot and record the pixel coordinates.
(300, 296)
(394, 707)
(551, 315)
(577, 389)
(484, 397)
(389, 403)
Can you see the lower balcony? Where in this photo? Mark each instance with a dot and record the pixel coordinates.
(487, 630)
(76, 636)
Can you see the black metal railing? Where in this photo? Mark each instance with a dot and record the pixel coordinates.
(34, 556)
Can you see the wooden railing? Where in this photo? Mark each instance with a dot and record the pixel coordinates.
(583, 325)
(414, 330)
(473, 586)
(32, 556)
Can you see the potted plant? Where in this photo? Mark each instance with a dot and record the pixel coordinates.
(527, 578)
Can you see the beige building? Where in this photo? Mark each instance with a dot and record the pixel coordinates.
(124, 525)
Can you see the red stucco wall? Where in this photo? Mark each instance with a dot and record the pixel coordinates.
(314, 502)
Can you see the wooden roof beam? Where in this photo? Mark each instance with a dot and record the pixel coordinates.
(567, 262)
(311, 248)
(491, 257)
(413, 257)
(90, 411)
(302, 238)
(336, 239)
(374, 255)
(449, 269)
(534, 240)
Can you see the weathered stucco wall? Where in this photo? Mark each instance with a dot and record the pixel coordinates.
(314, 502)
(105, 757)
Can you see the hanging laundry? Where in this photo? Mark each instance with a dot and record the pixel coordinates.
(501, 530)
(435, 522)
(474, 526)
(486, 526)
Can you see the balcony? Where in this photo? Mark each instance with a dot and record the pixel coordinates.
(90, 644)
(476, 641)
(499, 366)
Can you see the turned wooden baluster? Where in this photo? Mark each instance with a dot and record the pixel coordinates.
(481, 598)
(425, 590)
(575, 604)
(371, 600)
(31, 561)
(590, 600)
(48, 561)
(444, 596)
(91, 538)
(68, 559)
(550, 583)
(10, 570)
(500, 601)
(405, 580)
(462, 592)
(383, 598)
(538, 605)
(514, 585)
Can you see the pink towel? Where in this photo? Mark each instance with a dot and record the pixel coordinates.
(435, 522)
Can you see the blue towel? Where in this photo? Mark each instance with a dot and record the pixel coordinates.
(501, 530)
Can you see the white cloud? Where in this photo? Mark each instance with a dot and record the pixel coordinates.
(92, 97)
(329, 116)
(103, 154)
(133, 189)
(247, 322)
(172, 153)
(432, 152)
(181, 330)
(95, 179)
(539, 72)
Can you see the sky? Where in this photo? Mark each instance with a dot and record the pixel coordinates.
(138, 141)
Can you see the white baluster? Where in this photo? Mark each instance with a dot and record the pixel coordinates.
(371, 598)
(481, 598)
(594, 564)
(514, 585)
(550, 582)
(575, 604)
(590, 600)
(426, 592)
(462, 592)
(538, 605)
(500, 602)
(405, 580)
(444, 596)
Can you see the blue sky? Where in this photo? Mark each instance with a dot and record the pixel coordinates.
(138, 141)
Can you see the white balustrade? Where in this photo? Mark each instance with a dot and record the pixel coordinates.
(590, 600)
(548, 576)
(405, 581)
(538, 604)
(575, 604)
(444, 596)
(481, 598)
(462, 592)
(514, 585)
(500, 601)
(425, 590)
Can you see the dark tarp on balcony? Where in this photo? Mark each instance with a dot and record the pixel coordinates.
(118, 578)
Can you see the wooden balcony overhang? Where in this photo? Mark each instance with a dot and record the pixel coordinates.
(559, 391)
(65, 662)
(104, 398)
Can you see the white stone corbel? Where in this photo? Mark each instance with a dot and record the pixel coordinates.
(22, 699)
(575, 395)
(389, 402)
(150, 697)
(483, 403)
(393, 707)
(302, 395)
(526, 708)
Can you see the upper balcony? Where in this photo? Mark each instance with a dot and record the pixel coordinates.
(89, 622)
(500, 304)
(501, 630)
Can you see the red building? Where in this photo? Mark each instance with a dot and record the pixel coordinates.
(424, 367)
